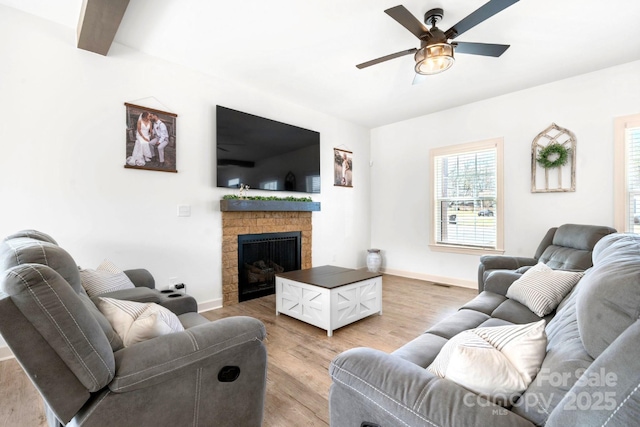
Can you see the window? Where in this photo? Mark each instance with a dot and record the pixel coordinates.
(627, 170)
(269, 185)
(313, 184)
(467, 197)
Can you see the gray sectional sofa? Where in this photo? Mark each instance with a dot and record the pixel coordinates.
(589, 375)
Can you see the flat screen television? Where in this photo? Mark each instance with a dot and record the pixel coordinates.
(265, 154)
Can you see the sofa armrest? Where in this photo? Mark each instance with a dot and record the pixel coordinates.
(169, 356)
(504, 262)
(379, 388)
(141, 278)
(498, 282)
(490, 263)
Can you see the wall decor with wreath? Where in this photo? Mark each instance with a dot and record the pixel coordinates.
(553, 161)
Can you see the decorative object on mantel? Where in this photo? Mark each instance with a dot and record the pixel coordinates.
(342, 168)
(243, 192)
(374, 260)
(150, 139)
(231, 203)
(553, 161)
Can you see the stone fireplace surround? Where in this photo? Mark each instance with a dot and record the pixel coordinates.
(235, 223)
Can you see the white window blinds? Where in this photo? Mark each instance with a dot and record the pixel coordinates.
(465, 198)
(632, 167)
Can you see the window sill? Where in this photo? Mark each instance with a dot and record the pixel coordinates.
(468, 250)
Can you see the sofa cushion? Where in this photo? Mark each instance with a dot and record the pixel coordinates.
(485, 302)
(422, 350)
(572, 245)
(106, 278)
(609, 298)
(27, 250)
(495, 362)
(63, 321)
(514, 312)
(541, 288)
(112, 336)
(32, 234)
(566, 358)
(136, 322)
(459, 321)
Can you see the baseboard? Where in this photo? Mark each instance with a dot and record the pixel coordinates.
(5, 353)
(210, 305)
(431, 278)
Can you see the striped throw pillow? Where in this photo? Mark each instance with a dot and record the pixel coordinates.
(542, 288)
(497, 363)
(135, 322)
(106, 278)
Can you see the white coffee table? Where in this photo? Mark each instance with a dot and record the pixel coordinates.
(329, 297)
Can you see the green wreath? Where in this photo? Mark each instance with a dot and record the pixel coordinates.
(549, 150)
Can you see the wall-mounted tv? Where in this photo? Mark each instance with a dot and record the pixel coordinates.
(265, 154)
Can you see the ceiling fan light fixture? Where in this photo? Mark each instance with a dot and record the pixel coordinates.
(434, 58)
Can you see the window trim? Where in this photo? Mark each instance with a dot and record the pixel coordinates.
(498, 144)
(620, 199)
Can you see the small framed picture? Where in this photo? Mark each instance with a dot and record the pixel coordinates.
(150, 139)
(342, 168)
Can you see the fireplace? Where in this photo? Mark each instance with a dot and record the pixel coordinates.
(238, 223)
(261, 257)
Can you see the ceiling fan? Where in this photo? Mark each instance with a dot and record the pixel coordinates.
(435, 54)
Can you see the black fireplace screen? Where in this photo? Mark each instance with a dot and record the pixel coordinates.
(261, 257)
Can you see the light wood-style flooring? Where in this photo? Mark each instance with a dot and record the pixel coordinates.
(299, 354)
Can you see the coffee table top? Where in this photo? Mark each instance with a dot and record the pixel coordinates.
(329, 276)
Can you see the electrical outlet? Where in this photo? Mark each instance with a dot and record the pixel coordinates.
(172, 282)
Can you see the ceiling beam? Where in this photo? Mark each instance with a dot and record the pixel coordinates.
(98, 24)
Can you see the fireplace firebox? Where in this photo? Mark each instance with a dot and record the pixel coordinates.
(261, 257)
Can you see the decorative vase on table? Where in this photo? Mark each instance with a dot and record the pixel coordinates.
(374, 260)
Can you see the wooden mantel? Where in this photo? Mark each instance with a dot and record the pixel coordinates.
(240, 205)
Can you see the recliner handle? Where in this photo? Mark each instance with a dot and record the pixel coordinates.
(228, 374)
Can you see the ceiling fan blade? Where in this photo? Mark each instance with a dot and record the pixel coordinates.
(407, 20)
(386, 58)
(483, 13)
(484, 49)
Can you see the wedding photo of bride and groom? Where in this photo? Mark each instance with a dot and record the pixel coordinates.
(343, 168)
(150, 139)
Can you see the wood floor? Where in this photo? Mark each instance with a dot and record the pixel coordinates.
(299, 354)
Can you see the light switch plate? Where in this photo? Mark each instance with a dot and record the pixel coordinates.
(184, 210)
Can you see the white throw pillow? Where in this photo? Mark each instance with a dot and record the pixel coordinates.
(542, 288)
(106, 278)
(498, 362)
(135, 322)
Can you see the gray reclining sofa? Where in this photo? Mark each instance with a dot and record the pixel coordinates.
(590, 374)
(212, 373)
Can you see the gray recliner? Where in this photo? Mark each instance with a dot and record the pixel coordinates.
(212, 373)
(568, 247)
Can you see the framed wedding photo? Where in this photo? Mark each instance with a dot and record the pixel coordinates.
(151, 139)
(342, 168)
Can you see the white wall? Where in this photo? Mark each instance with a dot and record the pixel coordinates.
(585, 104)
(63, 152)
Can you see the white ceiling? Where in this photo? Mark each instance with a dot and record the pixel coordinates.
(306, 51)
